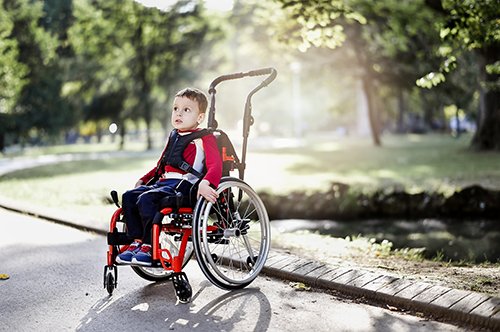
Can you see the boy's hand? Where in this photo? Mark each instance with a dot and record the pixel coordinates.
(139, 183)
(207, 192)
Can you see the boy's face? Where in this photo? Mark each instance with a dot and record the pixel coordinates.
(186, 114)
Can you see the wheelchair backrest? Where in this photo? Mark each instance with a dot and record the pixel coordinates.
(230, 160)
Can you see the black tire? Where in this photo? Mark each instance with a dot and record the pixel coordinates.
(229, 233)
(110, 283)
(158, 274)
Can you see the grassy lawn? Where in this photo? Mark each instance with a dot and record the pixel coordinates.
(415, 162)
(423, 162)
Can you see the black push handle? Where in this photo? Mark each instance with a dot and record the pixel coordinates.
(247, 117)
(266, 71)
(212, 123)
(258, 72)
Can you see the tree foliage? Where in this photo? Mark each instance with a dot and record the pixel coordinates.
(398, 43)
(12, 72)
(389, 39)
(474, 26)
(63, 62)
(36, 108)
(143, 60)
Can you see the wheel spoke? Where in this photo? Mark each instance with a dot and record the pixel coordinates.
(241, 240)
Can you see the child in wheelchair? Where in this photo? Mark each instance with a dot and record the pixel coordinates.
(191, 203)
(190, 163)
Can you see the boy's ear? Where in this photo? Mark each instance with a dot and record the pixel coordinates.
(201, 116)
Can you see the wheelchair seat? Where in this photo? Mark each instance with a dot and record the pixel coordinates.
(178, 207)
(180, 200)
(176, 202)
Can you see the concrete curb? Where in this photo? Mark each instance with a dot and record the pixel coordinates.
(457, 306)
(452, 305)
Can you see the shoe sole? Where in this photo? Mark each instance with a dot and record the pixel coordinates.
(119, 261)
(136, 262)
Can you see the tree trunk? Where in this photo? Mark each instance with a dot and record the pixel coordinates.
(123, 131)
(431, 120)
(487, 136)
(400, 128)
(2, 142)
(142, 78)
(367, 80)
(457, 122)
(148, 118)
(99, 132)
(372, 112)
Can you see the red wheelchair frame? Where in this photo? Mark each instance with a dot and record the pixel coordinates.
(231, 238)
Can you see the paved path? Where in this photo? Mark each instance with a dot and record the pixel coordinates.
(457, 306)
(69, 294)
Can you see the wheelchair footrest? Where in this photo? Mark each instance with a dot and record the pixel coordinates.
(118, 238)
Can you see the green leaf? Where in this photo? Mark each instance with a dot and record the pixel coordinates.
(430, 80)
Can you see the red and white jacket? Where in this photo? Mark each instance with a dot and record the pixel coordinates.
(199, 153)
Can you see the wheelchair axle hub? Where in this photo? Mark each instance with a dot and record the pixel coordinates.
(231, 232)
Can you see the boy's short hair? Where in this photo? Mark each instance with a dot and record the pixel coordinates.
(196, 95)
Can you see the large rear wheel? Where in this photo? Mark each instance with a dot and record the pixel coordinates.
(231, 237)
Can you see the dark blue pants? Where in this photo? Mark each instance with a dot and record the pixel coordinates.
(140, 206)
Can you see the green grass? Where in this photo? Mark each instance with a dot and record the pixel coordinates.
(416, 163)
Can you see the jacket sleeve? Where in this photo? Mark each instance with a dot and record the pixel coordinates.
(213, 160)
(148, 176)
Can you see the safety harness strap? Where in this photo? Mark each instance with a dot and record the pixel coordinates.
(175, 147)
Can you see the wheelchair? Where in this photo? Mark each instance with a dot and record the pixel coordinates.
(230, 238)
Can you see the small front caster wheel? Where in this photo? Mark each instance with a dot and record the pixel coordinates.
(110, 283)
(110, 279)
(182, 287)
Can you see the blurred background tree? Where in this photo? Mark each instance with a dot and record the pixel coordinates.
(475, 26)
(392, 44)
(136, 54)
(70, 68)
(35, 113)
(12, 73)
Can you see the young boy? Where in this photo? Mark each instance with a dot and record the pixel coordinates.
(142, 203)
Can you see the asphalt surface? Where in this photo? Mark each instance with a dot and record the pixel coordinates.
(56, 284)
(442, 303)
